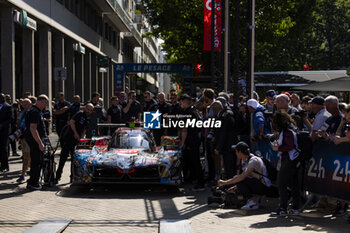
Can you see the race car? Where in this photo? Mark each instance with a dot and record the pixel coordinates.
(128, 156)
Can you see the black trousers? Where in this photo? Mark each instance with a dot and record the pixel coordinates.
(252, 186)
(13, 147)
(210, 160)
(36, 157)
(59, 126)
(192, 163)
(288, 177)
(67, 148)
(230, 160)
(4, 151)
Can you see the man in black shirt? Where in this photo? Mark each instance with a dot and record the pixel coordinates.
(5, 121)
(71, 135)
(75, 107)
(115, 112)
(190, 142)
(131, 109)
(164, 108)
(61, 112)
(35, 135)
(149, 104)
(174, 109)
(225, 137)
(97, 115)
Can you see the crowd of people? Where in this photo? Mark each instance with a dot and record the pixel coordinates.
(228, 160)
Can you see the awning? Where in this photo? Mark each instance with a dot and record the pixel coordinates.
(339, 84)
(295, 78)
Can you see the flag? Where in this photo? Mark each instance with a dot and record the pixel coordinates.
(217, 25)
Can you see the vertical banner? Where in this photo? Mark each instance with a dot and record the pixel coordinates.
(207, 4)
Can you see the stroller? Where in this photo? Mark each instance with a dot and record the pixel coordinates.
(48, 165)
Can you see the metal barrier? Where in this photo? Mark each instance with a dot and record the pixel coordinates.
(326, 173)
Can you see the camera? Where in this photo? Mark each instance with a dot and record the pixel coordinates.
(16, 134)
(301, 113)
(220, 196)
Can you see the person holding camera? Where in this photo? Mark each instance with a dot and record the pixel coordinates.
(5, 121)
(132, 108)
(26, 105)
(71, 134)
(35, 136)
(252, 182)
(343, 131)
(286, 145)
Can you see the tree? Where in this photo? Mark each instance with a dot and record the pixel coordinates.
(288, 33)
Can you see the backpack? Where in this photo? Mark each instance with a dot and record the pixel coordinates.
(271, 170)
(305, 146)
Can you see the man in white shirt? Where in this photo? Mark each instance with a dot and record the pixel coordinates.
(317, 107)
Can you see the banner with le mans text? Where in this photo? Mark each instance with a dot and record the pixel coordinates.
(217, 25)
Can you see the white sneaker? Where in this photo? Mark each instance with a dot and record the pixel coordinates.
(251, 205)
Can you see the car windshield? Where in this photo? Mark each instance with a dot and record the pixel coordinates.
(130, 141)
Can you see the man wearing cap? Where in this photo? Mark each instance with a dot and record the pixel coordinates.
(317, 107)
(253, 181)
(270, 98)
(259, 121)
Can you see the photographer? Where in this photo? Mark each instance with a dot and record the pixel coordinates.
(71, 135)
(286, 145)
(343, 131)
(26, 105)
(35, 136)
(253, 182)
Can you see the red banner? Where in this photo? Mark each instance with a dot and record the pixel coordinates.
(207, 25)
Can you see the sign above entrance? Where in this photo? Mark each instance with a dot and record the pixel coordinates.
(185, 69)
(121, 69)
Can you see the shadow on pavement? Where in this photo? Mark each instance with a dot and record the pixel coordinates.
(315, 223)
(195, 204)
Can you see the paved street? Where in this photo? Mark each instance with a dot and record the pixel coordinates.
(139, 209)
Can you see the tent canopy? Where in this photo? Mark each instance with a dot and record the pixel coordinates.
(339, 84)
(295, 78)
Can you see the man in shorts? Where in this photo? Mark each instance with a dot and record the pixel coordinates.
(26, 105)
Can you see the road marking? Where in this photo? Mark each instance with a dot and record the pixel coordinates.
(174, 226)
(49, 226)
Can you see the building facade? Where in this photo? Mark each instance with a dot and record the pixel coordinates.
(48, 46)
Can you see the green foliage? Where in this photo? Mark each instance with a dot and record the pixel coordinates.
(288, 33)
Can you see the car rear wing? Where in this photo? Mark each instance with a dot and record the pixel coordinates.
(110, 126)
(115, 126)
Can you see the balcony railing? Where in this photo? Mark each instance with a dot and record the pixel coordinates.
(126, 19)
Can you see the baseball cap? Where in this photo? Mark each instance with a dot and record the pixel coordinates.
(253, 103)
(286, 93)
(319, 100)
(271, 93)
(222, 100)
(200, 101)
(241, 147)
